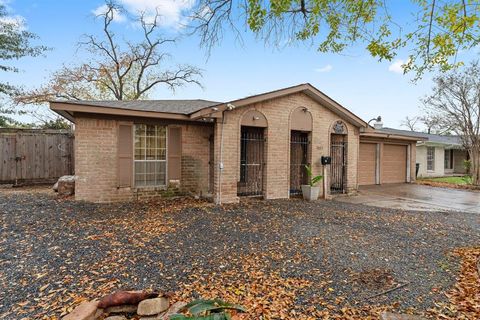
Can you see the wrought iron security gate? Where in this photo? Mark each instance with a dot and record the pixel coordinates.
(251, 162)
(298, 160)
(338, 167)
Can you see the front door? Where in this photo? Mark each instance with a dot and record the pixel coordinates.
(251, 162)
(338, 167)
(298, 161)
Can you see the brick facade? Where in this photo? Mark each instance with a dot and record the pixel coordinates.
(277, 112)
(96, 162)
(203, 151)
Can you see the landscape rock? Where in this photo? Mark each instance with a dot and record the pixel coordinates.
(126, 308)
(120, 298)
(55, 187)
(398, 316)
(66, 185)
(116, 318)
(87, 310)
(154, 317)
(174, 308)
(153, 306)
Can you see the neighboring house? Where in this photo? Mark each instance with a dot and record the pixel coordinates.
(255, 146)
(440, 155)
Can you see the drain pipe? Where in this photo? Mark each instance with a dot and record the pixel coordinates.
(220, 165)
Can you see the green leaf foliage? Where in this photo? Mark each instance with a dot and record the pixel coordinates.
(313, 180)
(431, 35)
(215, 309)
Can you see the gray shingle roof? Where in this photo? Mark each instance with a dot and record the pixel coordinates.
(436, 138)
(167, 106)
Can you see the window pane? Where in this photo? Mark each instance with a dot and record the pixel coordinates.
(161, 173)
(150, 155)
(139, 130)
(151, 131)
(161, 154)
(431, 158)
(139, 173)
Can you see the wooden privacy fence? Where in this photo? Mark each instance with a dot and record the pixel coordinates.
(35, 156)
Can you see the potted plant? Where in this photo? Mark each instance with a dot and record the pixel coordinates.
(311, 191)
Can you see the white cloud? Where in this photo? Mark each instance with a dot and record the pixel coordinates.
(172, 12)
(117, 16)
(15, 20)
(327, 68)
(397, 66)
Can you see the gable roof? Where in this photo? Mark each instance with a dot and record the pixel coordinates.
(305, 88)
(196, 109)
(447, 140)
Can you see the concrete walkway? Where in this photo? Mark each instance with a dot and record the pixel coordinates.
(416, 197)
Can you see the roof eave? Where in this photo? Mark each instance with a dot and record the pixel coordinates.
(376, 134)
(70, 108)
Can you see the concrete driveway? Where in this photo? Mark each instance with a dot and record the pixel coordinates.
(416, 197)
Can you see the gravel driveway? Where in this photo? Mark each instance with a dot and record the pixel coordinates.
(55, 252)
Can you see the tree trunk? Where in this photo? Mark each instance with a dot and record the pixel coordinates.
(475, 165)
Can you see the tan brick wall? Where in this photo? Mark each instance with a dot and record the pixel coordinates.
(96, 162)
(277, 112)
(195, 158)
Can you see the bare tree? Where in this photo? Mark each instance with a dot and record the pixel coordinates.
(456, 101)
(434, 124)
(119, 71)
(410, 123)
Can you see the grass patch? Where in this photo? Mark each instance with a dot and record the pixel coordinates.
(452, 180)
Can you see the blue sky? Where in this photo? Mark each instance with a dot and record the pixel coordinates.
(356, 80)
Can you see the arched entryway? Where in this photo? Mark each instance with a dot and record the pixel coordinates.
(300, 132)
(252, 154)
(338, 153)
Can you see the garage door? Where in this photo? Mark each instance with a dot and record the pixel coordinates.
(394, 163)
(366, 163)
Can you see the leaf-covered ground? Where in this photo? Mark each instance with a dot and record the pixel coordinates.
(282, 259)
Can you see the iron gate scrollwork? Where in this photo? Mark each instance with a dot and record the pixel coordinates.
(251, 162)
(298, 161)
(338, 167)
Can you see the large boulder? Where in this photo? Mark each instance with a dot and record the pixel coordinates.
(65, 185)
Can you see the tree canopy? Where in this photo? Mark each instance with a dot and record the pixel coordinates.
(436, 32)
(15, 43)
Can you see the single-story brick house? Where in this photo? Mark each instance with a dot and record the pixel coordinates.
(438, 155)
(255, 146)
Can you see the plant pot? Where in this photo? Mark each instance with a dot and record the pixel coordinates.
(310, 193)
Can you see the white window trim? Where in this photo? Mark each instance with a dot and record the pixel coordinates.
(433, 159)
(157, 186)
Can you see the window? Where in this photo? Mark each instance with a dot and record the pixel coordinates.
(430, 158)
(448, 159)
(150, 155)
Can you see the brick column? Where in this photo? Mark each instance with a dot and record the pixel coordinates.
(225, 183)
